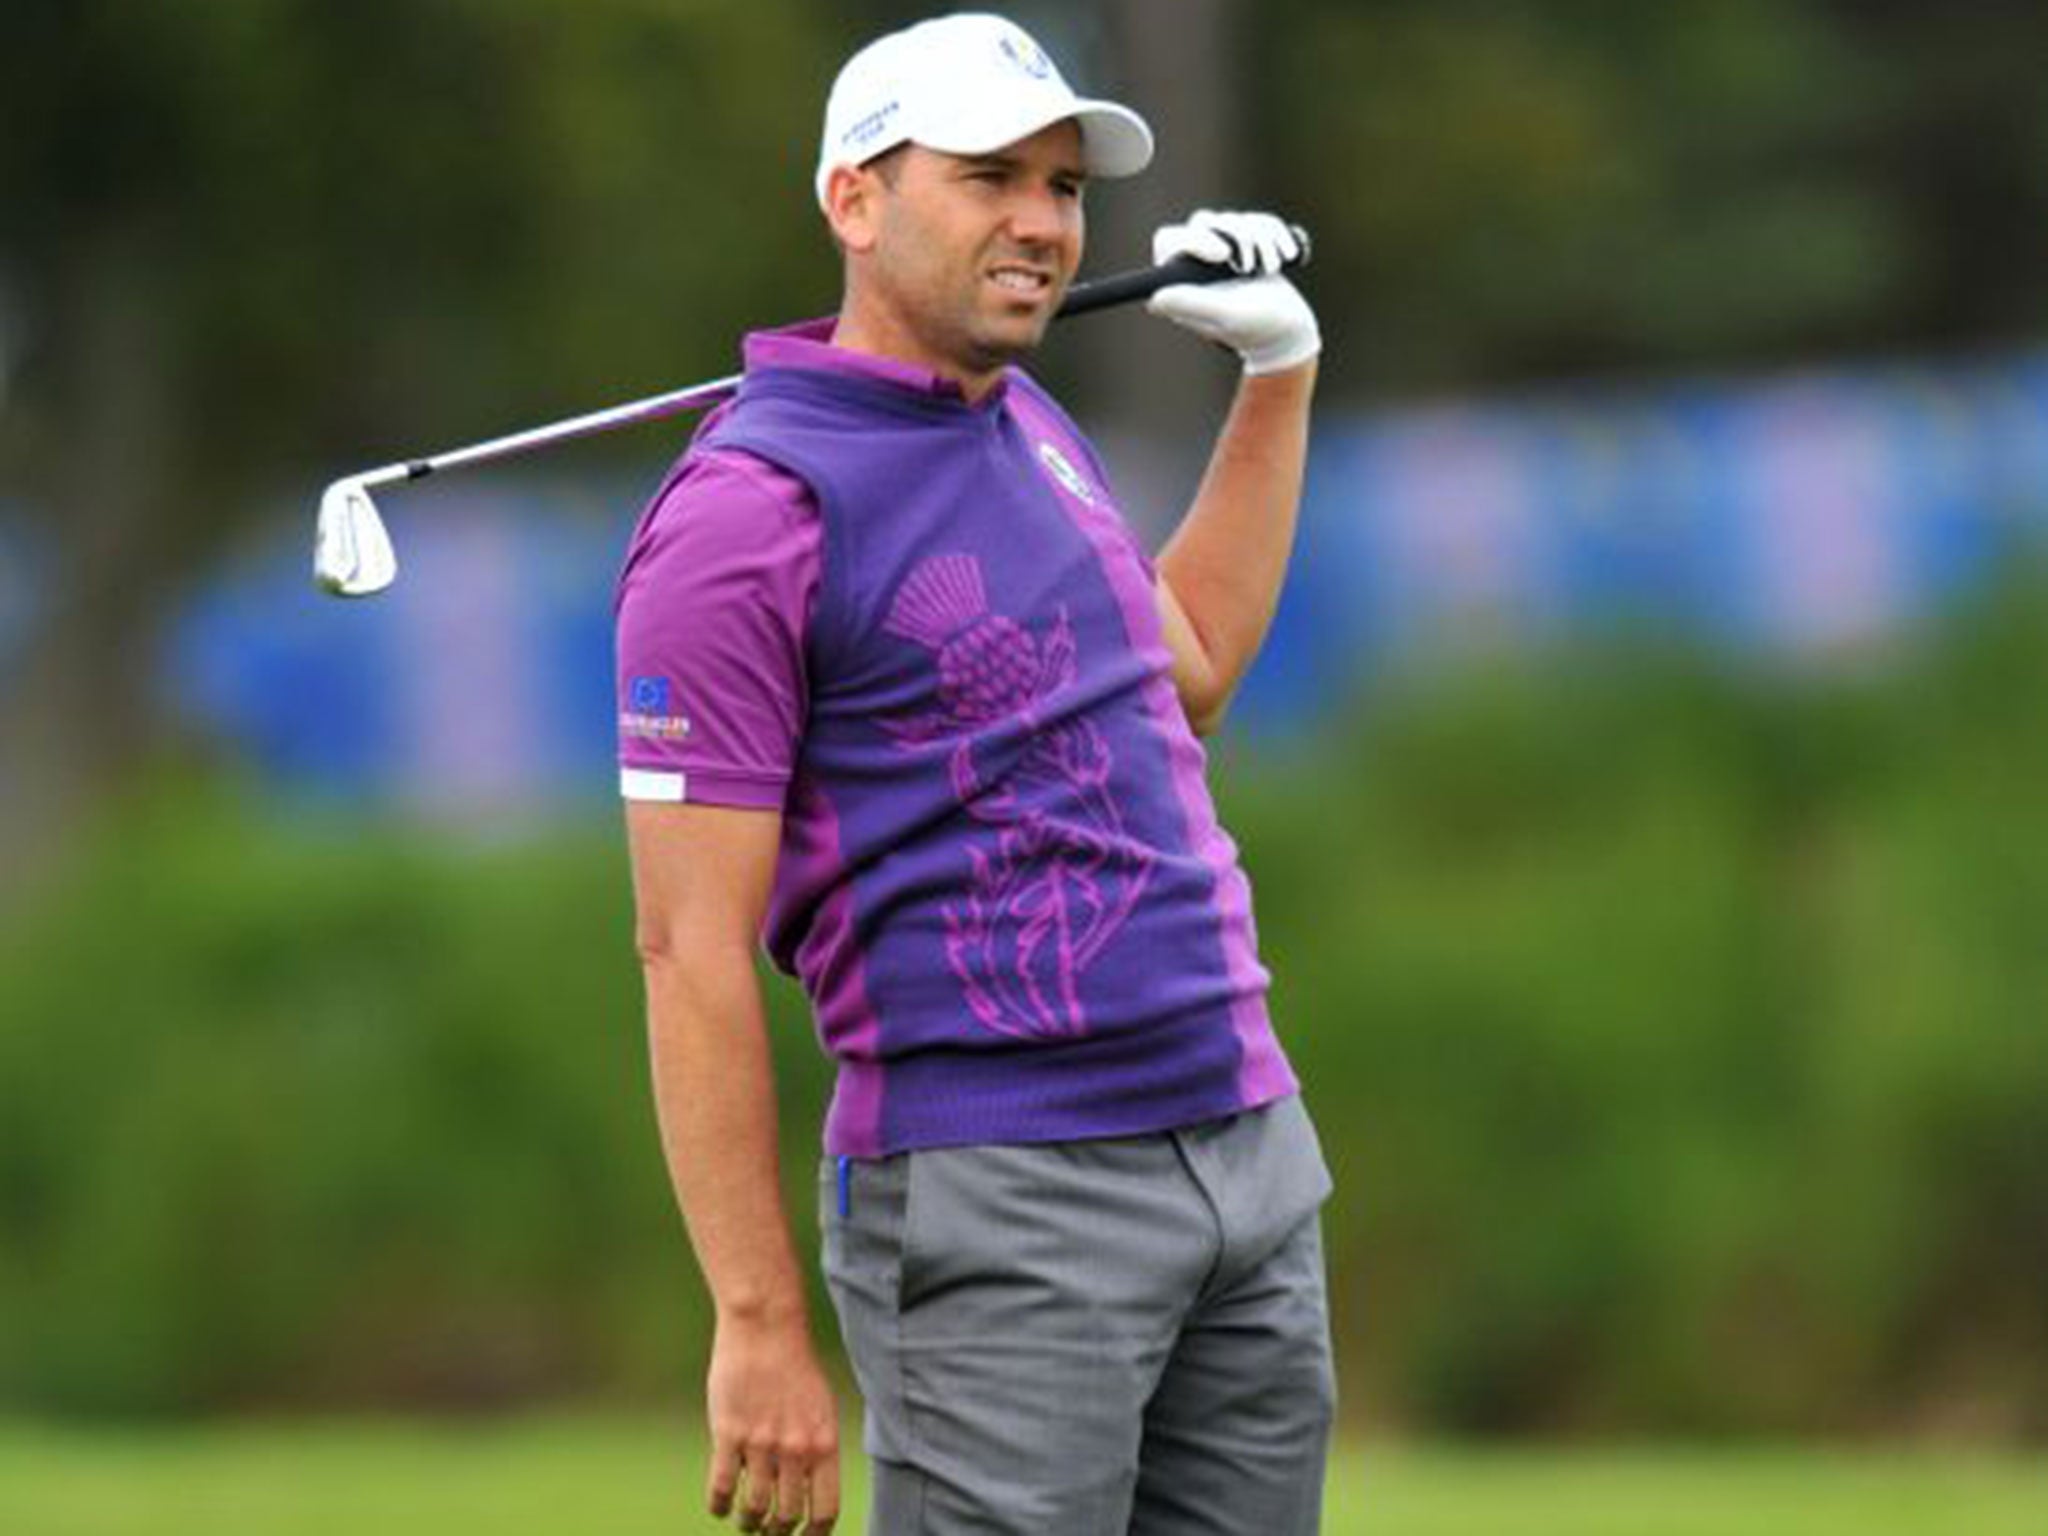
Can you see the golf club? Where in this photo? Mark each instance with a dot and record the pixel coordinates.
(352, 553)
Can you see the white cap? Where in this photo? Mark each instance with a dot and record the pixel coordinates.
(967, 85)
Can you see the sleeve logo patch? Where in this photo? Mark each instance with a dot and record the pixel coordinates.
(648, 714)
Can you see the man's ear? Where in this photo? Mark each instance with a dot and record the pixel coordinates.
(851, 196)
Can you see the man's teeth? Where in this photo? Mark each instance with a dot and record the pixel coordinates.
(1023, 282)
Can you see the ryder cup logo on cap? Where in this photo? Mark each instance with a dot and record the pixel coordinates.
(967, 85)
(1026, 55)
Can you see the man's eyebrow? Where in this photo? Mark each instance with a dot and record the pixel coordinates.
(995, 160)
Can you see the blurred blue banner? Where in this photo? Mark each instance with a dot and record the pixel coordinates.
(1798, 520)
(479, 685)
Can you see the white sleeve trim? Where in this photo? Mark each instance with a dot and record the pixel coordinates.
(647, 784)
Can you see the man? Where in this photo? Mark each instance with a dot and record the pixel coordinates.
(901, 695)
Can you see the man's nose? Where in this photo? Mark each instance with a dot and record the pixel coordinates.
(1038, 215)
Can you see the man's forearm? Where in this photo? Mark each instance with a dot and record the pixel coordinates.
(715, 1097)
(1225, 563)
(701, 878)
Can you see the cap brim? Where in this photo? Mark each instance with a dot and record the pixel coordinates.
(1115, 141)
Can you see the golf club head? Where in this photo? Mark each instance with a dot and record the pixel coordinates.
(352, 555)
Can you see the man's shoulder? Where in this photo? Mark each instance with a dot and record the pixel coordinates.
(1023, 385)
(1032, 398)
(719, 482)
(717, 503)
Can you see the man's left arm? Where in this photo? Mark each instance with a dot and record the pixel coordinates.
(1220, 573)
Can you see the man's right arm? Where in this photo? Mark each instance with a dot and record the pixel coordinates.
(701, 877)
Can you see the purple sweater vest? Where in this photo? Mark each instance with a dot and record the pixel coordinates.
(1001, 882)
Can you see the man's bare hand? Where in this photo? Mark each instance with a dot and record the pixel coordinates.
(774, 1431)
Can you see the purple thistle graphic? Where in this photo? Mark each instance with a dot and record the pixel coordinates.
(1064, 875)
(994, 939)
(988, 666)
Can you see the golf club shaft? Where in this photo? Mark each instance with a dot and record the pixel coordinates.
(652, 408)
(1082, 298)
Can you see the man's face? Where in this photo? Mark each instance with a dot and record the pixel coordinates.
(971, 255)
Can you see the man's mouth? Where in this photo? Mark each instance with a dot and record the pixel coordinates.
(1027, 282)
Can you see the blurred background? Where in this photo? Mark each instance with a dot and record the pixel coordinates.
(1643, 785)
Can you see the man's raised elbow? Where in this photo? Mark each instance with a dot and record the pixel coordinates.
(1205, 713)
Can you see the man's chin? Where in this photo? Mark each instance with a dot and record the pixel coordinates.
(1005, 339)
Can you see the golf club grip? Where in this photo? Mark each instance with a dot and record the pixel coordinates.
(1128, 287)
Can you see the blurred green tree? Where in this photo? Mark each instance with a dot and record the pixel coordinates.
(1504, 191)
(254, 238)
(1674, 1036)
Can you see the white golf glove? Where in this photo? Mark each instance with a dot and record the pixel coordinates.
(1260, 315)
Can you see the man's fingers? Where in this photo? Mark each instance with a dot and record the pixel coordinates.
(824, 1496)
(773, 1425)
(1270, 235)
(1294, 246)
(1220, 227)
(1259, 243)
(1190, 239)
(1249, 244)
(1249, 255)
(757, 1500)
(725, 1476)
(792, 1495)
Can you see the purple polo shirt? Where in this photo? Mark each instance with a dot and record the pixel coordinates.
(920, 629)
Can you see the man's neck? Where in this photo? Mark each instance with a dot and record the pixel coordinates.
(859, 331)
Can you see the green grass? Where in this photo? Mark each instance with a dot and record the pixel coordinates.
(624, 1478)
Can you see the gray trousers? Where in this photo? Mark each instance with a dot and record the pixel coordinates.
(1125, 1337)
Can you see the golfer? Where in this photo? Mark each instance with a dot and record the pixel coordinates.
(902, 698)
